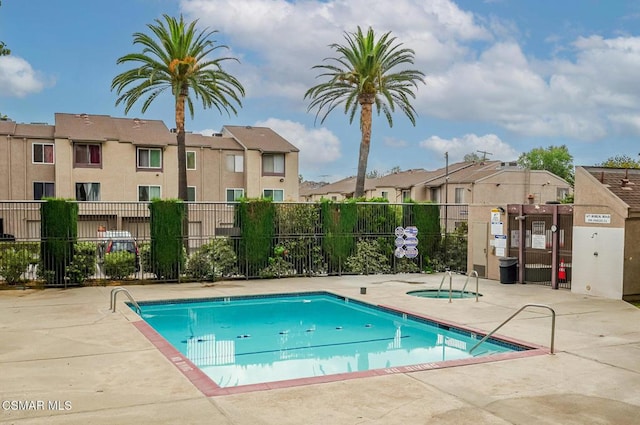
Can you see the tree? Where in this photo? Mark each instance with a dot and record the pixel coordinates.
(177, 59)
(472, 157)
(363, 75)
(620, 161)
(555, 159)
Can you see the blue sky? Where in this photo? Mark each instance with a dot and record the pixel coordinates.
(503, 76)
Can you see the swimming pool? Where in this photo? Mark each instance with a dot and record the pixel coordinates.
(276, 340)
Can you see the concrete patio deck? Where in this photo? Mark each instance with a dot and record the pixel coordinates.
(86, 365)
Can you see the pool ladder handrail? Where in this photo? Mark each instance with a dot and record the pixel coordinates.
(469, 276)
(553, 325)
(450, 274)
(115, 292)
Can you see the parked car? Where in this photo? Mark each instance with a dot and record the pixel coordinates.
(115, 241)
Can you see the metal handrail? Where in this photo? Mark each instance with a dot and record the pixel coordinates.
(442, 283)
(114, 293)
(469, 275)
(553, 325)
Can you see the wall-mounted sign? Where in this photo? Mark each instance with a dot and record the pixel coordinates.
(597, 218)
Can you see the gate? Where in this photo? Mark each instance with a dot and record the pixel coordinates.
(540, 236)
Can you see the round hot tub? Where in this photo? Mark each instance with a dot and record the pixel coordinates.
(434, 293)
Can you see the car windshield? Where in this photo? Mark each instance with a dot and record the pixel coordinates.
(122, 246)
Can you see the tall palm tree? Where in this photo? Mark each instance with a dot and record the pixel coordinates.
(178, 59)
(363, 75)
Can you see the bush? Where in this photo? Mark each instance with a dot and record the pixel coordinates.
(83, 264)
(256, 221)
(368, 259)
(13, 263)
(278, 264)
(167, 248)
(58, 232)
(119, 265)
(212, 260)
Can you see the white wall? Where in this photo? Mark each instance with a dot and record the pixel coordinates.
(600, 275)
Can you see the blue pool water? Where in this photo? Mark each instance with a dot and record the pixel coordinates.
(248, 340)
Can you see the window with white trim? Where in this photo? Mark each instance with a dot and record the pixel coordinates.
(191, 160)
(43, 190)
(42, 153)
(273, 164)
(235, 163)
(147, 193)
(234, 194)
(150, 158)
(191, 194)
(459, 195)
(87, 191)
(276, 195)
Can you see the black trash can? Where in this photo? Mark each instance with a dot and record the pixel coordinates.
(508, 269)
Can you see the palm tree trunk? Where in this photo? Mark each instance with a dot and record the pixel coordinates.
(182, 153)
(366, 109)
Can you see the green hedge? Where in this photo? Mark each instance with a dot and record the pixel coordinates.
(58, 233)
(339, 220)
(167, 248)
(255, 218)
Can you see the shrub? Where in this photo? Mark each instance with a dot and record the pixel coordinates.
(338, 223)
(13, 263)
(58, 233)
(406, 265)
(212, 260)
(368, 259)
(167, 247)
(118, 265)
(278, 264)
(83, 264)
(256, 221)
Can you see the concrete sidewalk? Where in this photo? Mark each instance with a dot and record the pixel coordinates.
(66, 359)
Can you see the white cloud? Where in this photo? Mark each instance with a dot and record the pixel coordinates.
(17, 77)
(458, 147)
(318, 146)
(477, 71)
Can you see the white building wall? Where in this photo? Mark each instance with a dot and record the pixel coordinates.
(601, 274)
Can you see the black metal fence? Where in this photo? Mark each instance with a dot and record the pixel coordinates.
(298, 244)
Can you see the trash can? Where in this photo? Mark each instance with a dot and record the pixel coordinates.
(508, 269)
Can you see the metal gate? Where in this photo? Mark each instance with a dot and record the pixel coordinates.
(540, 236)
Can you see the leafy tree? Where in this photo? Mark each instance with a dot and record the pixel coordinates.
(555, 159)
(364, 74)
(175, 57)
(472, 157)
(373, 174)
(620, 161)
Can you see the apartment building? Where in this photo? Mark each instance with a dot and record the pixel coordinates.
(103, 158)
(490, 182)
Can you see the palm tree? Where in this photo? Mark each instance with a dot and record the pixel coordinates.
(362, 76)
(177, 59)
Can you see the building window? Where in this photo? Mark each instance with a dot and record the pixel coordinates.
(276, 195)
(435, 194)
(191, 160)
(563, 192)
(235, 163)
(234, 194)
(87, 155)
(42, 153)
(147, 193)
(43, 190)
(149, 158)
(460, 195)
(87, 191)
(273, 164)
(191, 194)
(406, 195)
(385, 194)
(334, 198)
